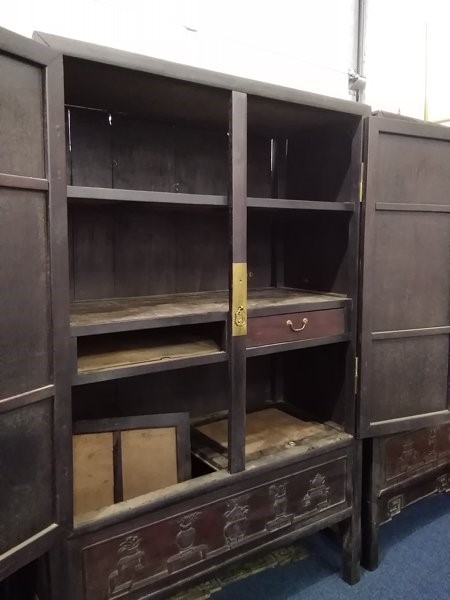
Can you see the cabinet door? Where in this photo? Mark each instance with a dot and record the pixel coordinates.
(34, 390)
(404, 321)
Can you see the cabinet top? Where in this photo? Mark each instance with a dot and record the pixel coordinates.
(164, 68)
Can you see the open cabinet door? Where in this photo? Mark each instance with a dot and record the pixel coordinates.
(404, 317)
(34, 383)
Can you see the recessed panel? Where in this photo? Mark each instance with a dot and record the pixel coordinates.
(149, 460)
(21, 118)
(25, 327)
(409, 377)
(414, 170)
(411, 270)
(26, 472)
(93, 473)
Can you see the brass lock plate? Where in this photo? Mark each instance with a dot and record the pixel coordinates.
(239, 299)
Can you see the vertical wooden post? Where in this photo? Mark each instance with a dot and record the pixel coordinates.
(237, 321)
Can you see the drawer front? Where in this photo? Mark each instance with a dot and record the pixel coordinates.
(407, 454)
(393, 502)
(147, 558)
(293, 327)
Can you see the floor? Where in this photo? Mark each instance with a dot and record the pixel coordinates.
(415, 564)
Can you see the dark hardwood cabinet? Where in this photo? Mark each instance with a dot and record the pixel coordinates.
(214, 289)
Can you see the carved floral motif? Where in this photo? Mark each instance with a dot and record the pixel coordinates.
(129, 566)
(188, 553)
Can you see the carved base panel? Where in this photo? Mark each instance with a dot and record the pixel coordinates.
(406, 454)
(128, 561)
(393, 502)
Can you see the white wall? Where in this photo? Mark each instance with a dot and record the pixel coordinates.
(298, 43)
(396, 56)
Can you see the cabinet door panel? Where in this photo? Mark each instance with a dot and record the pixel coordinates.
(404, 325)
(34, 382)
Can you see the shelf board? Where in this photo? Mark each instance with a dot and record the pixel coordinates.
(109, 357)
(284, 204)
(157, 198)
(268, 431)
(297, 345)
(91, 317)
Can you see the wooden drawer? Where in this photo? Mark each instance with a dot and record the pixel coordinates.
(123, 560)
(291, 327)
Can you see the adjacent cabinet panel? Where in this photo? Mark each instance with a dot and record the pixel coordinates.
(405, 276)
(33, 396)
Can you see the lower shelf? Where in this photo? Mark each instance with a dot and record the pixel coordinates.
(268, 432)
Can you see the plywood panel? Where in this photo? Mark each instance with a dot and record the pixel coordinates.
(266, 429)
(149, 460)
(93, 473)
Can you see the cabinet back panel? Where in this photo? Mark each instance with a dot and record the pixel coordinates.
(123, 251)
(90, 148)
(119, 151)
(314, 381)
(314, 250)
(318, 253)
(117, 89)
(318, 166)
(199, 390)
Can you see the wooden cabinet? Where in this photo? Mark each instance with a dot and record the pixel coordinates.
(201, 256)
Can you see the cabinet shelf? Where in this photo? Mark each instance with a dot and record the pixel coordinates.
(268, 432)
(112, 195)
(111, 356)
(93, 317)
(99, 194)
(286, 204)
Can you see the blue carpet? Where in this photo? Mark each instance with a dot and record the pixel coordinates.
(414, 565)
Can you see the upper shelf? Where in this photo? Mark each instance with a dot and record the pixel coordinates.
(287, 204)
(97, 194)
(118, 195)
(91, 317)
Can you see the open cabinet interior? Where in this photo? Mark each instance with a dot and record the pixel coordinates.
(290, 406)
(150, 224)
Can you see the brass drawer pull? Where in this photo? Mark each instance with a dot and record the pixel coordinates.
(290, 324)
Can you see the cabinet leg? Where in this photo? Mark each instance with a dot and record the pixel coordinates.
(351, 549)
(370, 538)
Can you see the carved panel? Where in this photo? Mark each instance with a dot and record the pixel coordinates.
(130, 563)
(235, 527)
(443, 483)
(444, 440)
(318, 495)
(395, 505)
(281, 518)
(139, 560)
(188, 552)
(410, 452)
